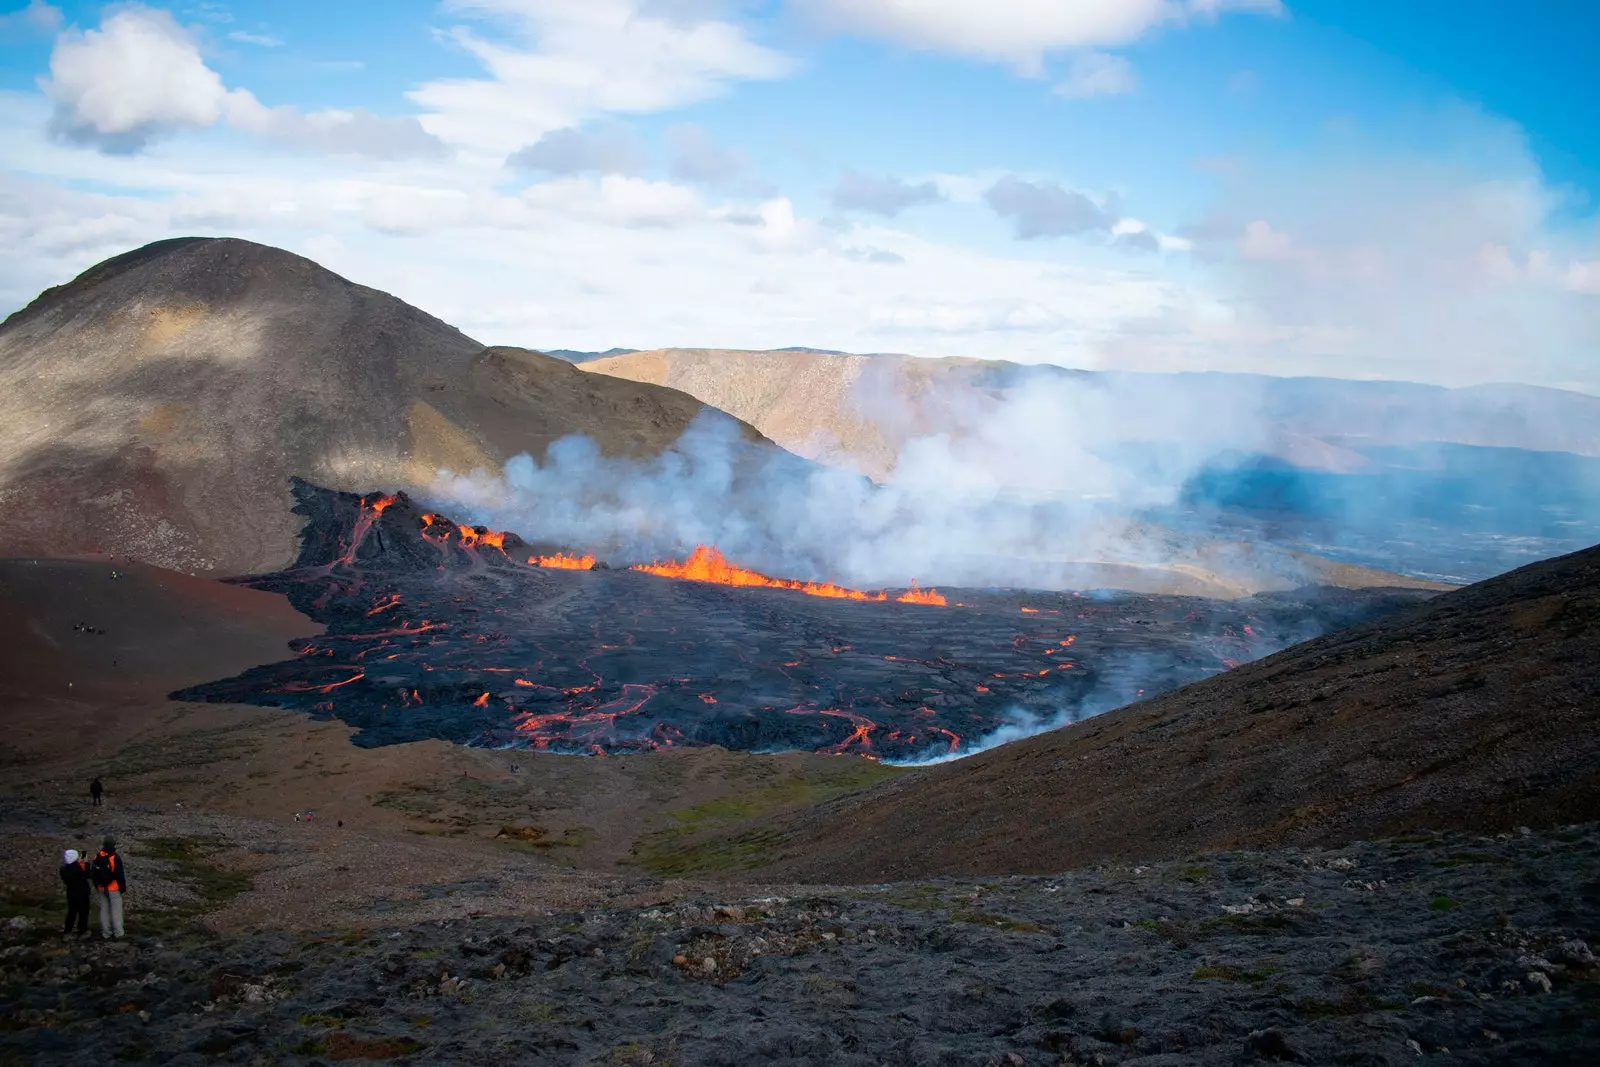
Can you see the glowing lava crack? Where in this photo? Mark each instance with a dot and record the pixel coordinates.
(436, 629)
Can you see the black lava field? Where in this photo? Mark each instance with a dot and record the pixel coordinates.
(436, 630)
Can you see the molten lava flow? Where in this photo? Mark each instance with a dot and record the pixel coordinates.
(563, 562)
(922, 596)
(706, 564)
(472, 538)
(369, 513)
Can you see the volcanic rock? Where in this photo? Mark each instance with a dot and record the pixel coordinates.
(1479, 709)
(155, 407)
(438, 630)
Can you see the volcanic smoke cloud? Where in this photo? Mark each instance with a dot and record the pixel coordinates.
(1014, 494)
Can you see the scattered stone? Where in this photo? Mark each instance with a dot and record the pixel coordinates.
(1539, 980)
(1271, 1044)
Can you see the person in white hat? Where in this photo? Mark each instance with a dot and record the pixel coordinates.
(75, 873)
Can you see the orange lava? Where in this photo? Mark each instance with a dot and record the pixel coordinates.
(922, 596)
(562, 561)
(707, 564)
(471, 538)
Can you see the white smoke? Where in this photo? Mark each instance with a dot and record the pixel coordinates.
(1015, 488)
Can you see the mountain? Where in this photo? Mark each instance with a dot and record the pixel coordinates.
(1478, 710)
(574, 356)
(156, 406)
(860, 411)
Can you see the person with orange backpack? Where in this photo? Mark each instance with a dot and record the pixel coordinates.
(110, 880)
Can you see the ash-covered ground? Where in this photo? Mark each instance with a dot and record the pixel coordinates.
(1453, 948)
(440, 631)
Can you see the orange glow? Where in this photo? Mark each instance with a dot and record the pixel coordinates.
(370, 510)
(922, 596)
(471, 538)
(706, 564)
(481, 701)
(1030, 611)
(562, 561)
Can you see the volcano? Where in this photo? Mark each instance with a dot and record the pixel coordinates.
(155, 406)
(437, 629)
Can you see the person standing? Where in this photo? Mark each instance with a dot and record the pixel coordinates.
(75, 874)
(95, 790)
(110, 880)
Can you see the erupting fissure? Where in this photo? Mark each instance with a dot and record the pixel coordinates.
(562, 561)
(707, 564)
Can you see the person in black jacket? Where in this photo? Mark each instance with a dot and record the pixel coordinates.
(75, 873)
(96, 790)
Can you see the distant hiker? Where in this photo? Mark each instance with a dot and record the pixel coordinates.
(110, 882)
(75, 874)
(95, 791)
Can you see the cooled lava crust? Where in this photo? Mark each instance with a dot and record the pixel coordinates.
(436, 630)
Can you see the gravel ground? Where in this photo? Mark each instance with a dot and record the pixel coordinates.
(1453, 948)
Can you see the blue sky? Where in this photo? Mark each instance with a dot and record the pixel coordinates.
(1334, 187)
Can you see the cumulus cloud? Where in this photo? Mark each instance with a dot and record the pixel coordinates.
(1018, 32)
(1097, 74)
(140, 76)
(558, 63)
(1048, 209)
(881, 196)
(573, 151)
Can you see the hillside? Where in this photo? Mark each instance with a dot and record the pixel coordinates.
(860, 411)
(156, 406)
(1478, 710)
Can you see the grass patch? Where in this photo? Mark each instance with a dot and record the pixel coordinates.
(1195, 874)
(213, 885)
(1351, 1002)
(183, 751)
(675, 850)
(1228, 973)
(998, 922)
(1443, 903)
(1462, 859)
(1258, 924)
(343, 1046)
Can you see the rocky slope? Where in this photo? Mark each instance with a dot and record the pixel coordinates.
(1470, 950)
(155, 406)
(1478, 710)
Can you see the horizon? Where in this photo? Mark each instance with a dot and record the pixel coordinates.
(1295, 189)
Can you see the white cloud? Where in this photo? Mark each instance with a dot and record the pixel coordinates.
(1018, 32)
(574, 151)
(261, 40)
(1048, 209)
(1097, 74)
(137, 76)
(1261, 241)
(881, 196)
(140, 76)
(37, 17)
(558, 63)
